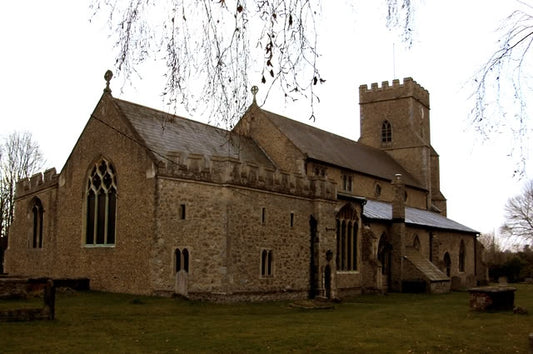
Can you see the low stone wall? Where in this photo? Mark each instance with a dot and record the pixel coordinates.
(13, 288)
(248, 296)
(47, 312)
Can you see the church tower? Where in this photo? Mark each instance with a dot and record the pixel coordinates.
(395, 119)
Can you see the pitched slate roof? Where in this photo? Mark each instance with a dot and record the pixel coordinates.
(163, 133)
(327, 147)
(418, 217)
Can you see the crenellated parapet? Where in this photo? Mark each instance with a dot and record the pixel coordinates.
(385, 92)
(232, 171)
(36, 183)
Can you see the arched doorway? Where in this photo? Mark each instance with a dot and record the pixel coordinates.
(447, 263)
(384, 257)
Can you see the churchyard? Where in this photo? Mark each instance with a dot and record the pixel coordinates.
(395, 323)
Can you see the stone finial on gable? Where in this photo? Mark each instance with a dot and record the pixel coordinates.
(108, 76)
(254, 91)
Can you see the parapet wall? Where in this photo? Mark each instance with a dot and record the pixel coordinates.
(228, 170)
(37, 182)
(409, 88)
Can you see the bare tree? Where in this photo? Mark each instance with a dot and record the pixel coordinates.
(214, 49)
(519, 215)
(20, 158)
(503, 84)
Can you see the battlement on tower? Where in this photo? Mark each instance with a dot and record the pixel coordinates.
(37, 182)
(387, 92)
(231, 171)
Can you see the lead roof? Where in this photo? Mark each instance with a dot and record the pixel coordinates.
(417, 217)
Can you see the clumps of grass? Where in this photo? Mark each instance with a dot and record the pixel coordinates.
(137, 301)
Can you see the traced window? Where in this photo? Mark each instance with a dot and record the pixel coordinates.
(37, 211)
(462, 256)
(347, 183)
(346, 229)
(181, 259)
(386, 132)
(266, 263)
(101, 204)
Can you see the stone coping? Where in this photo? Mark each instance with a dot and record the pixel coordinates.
(492, 289)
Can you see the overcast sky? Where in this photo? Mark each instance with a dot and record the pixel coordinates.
(53, 61)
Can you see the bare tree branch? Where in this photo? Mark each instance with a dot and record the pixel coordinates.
(20, 158)
(400, 15)
(503, 85)
(215, 50)
(519, 215)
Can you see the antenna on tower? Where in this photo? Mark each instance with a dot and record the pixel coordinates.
(393, 60)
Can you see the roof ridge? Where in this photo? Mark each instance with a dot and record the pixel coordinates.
(172, 115)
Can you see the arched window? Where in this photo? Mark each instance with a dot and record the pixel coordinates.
(377, 191)
(416, 243)
(185, 260)
(386, 132)
(462, 256)
(266, 263)
(346, 233)
(37, 211)
(181, 259)
(101, 204)
(447, 263)
(177, 259)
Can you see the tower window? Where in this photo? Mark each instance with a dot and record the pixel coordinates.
(386, 132)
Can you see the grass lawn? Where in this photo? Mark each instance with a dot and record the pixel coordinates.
(394, 323)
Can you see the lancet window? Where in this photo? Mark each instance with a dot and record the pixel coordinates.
(266, 263)
(37, 211)
(182, 260)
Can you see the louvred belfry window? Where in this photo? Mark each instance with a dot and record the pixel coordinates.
(101, 204)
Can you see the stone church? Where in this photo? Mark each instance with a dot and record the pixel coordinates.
(153, 203)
